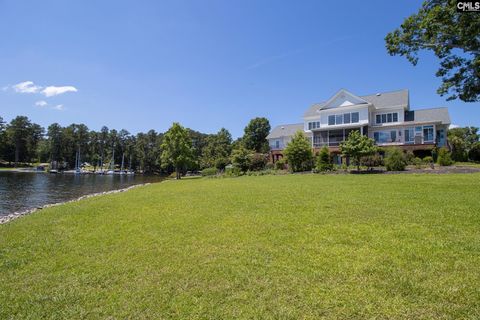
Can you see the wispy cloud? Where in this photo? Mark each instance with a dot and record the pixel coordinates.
(48, 91)
(273, 58)
(59, 107)
(26, 87)
(453, 126)
(41, 103)
(284, 55)
(55, 91)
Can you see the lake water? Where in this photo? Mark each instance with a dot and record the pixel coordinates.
(20, 191)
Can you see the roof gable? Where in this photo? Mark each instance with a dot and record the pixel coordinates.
(379, 101)
(343, 98)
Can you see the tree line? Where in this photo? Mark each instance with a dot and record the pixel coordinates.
(179, 149)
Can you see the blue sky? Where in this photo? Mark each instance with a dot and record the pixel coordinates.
(141, 65)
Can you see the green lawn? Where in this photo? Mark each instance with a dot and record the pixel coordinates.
(270, 247)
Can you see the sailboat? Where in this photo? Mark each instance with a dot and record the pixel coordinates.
(77, 162)
(112, 163)
(121, 167)
(130, 166)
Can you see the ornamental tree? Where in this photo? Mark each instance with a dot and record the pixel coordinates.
(299, 153)
(357, 146)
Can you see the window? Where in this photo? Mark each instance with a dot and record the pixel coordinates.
(385, 136)
(428, 133)
(331, 120)
(343, 118)
(335, 137)
(386, 117)
(277, 144)
(409, 135)
(393, 136)
(313, 125)
(339, 119)
(355, 117)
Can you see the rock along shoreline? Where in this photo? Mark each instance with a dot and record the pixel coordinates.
(12, 216)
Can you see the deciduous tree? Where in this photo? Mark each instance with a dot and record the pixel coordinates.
(357, 146)
(177, 148)
(454, 37)
(299, 153)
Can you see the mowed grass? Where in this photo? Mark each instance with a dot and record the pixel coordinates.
(270, 247)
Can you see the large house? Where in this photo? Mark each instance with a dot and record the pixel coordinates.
(385, 117)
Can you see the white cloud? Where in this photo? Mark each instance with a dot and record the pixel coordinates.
(58, 107)
(453, 126)
(26, 87)
(41, 103)
(54, 91)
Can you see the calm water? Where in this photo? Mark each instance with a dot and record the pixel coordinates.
(24, 190)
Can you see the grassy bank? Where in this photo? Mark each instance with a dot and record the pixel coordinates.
(294, 246)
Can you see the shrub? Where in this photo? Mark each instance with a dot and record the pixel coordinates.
(474, 153)
(299, 153)
(280, 164)
(221, 163)
(417, 162)
(324, 161)
(395, 160)
(233, 172)
(242, 158)
(209, 172)
(410, 157)
(428, 160)
(435, 154)
(372, 161)
(258, 161)
(444, 157)
(269, 166)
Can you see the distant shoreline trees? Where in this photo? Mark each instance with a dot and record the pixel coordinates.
(23, 142)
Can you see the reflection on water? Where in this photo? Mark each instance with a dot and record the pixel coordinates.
(24, 190)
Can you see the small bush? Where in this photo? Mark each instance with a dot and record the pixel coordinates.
(269, 166)
(258, 161)
(409, 157)
(209, 172)
(280, 164)
(417, 162)
(324, 161)
(221, 163)
(233, 172)
(372, 161)
(428, 160)
(444, 157)
(474, 153)
(395, 160)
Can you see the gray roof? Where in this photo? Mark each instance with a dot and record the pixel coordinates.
(432, 115)
(379, 101)
(286, 130)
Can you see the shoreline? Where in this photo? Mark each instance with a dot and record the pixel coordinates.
(15, 215)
